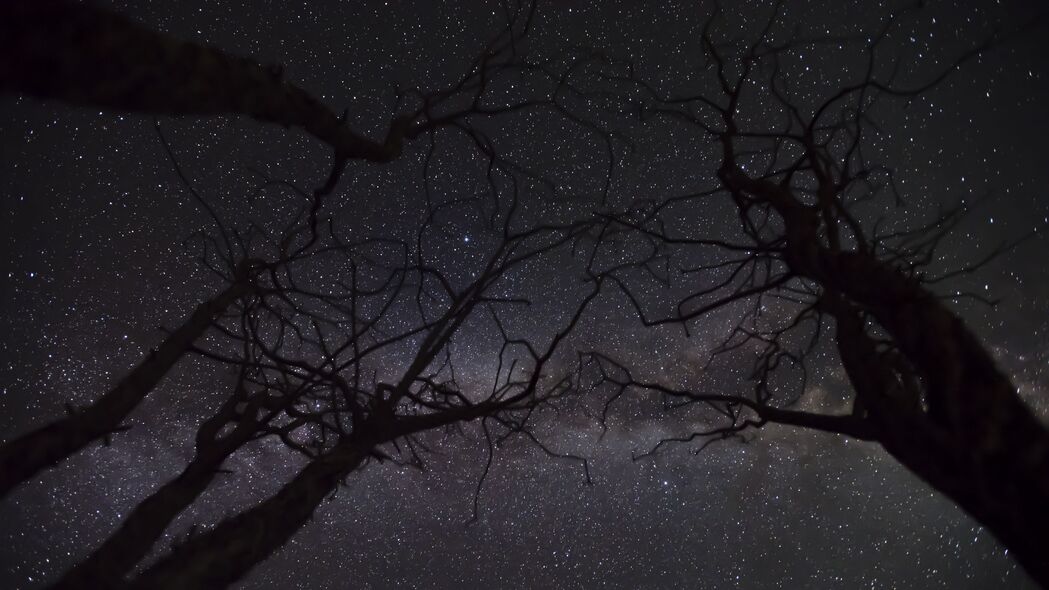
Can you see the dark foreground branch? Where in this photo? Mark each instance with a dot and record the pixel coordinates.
(27, 455)
(81, 54)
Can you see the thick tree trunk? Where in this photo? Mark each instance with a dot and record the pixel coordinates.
(971, 437)
(1002, 488)
(81, 54)
(223, 555)
(976, 441)
(27, 455)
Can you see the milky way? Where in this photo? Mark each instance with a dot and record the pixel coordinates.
(93, 233)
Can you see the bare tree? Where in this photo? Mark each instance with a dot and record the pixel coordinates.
(359, 369)
(357, 416)
(814, 256)
(255, 402)
(311, 357)
(85, 55)
(315, 359)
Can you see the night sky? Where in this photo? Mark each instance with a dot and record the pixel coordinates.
(94, 227)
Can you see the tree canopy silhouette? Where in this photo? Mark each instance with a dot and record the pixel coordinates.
(340, 346)
(815, 256)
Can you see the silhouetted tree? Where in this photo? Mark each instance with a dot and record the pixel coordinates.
(353, 418)
(79, 53)
(311, 358)
(313, 323)
(324, 368)
(813, 256)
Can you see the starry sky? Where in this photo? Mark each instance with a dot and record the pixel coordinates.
(94, 227)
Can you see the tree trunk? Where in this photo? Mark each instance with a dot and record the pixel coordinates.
(971, 437)
(140, 531)
(976, 441)
(27, 455)
(107, 565)
(223, 555)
